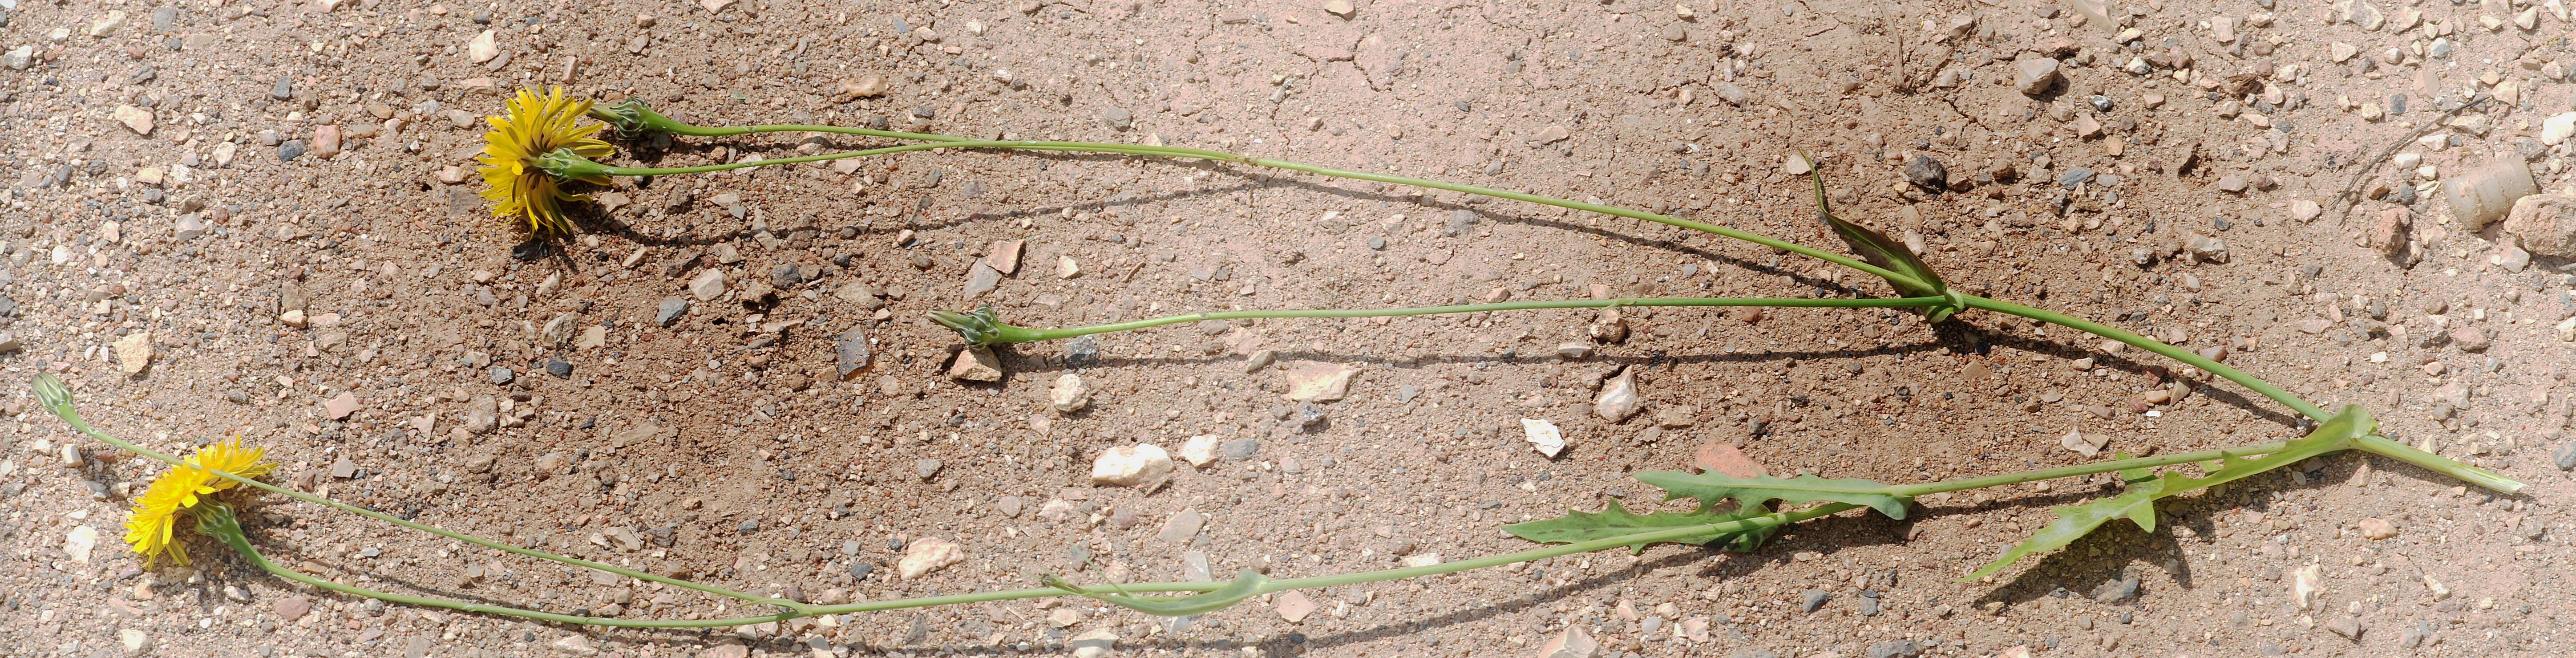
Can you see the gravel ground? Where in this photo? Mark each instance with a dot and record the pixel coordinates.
(259, 218)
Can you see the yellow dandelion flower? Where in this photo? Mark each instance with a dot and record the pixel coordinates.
(534, 126)
(152, 529)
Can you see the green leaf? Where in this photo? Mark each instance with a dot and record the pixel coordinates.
(2138, 503)
(1879, 250)
(1615, 521)
(2339, 432)
(1756, 491)
(2075, 521)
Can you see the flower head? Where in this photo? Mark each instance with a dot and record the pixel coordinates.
(534, 126)
(182, 491)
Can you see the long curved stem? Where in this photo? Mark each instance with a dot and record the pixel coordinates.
(219, 523)
(634, 116)
(1031, 335)
(57, 397)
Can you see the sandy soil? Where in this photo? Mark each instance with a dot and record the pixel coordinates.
(170, 175)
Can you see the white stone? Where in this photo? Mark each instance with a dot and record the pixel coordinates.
(2307, 585)
(2033, 76)
(482, 49)
(707, 285)
(1095, 644)
(1069, 394)
(1131, 465)
(2557, 128)
(1572, 643)
(1543, 437)
(924, 554)
(108, 24)
(2084, 444)
(2304, 210)
(134, 352)
(135, 642)
(1618, 399)
(80, 542)
(1200, 450)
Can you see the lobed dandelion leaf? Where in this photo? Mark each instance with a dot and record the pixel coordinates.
(1615, 521)
(1752, 492)
(2138, 503)
(2074, 521)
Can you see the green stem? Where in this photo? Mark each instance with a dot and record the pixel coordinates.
(580, 169)
(1912, 490)
(218, 521)
(57, 397)
(2373, 444)
(2152, 345)
(633, 116)
(1031, 335)
(2382, 446)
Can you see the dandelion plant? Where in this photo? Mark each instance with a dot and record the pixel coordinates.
(537, 152)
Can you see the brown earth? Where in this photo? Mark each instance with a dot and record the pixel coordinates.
(727, 447)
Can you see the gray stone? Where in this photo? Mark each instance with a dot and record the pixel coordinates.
(1081, 351)
(558, 368)
(982, 280)
(2075, 176)
(2117, 590)
(1896, 649)
(785, 276)
(850, 353)
(1118, 118)
(2208, 248)
(1927, 173)
(2565, 455)
(926, 468)
(1242, 449)
(189, 227)
(1459, 220)
(1732, 94)
(285, 88)
(671, 310)
(290, 150)
(502, 374)
(1814, 598)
